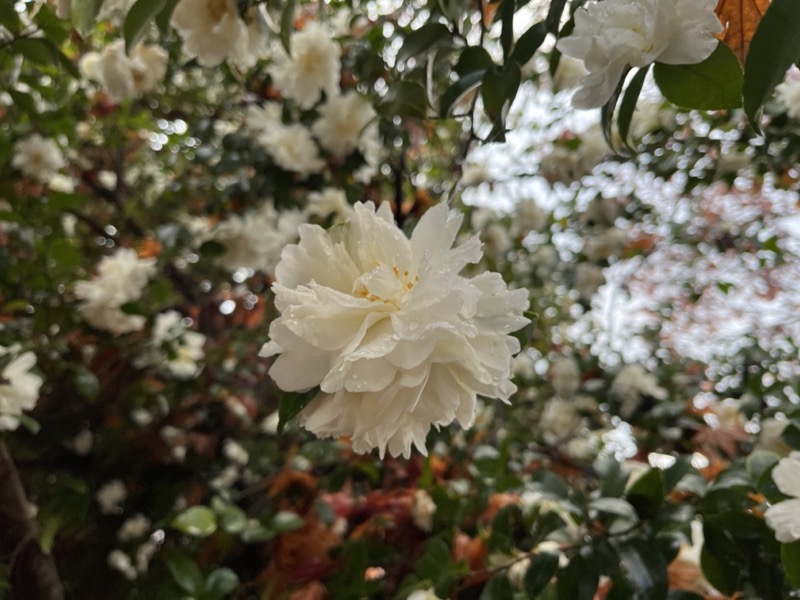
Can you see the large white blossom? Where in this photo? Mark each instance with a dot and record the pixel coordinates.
(19, 388)
(292, 148)
(38, 157)
(120, 279)
(342, 119)
(212, 31)
(394, 337)
(612, 35)
(255, 239)
(784, 517)
(124, 76)
(311, 67)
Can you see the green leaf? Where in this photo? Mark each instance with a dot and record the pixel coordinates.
(404, 99)
(221, 582)
(647, 493)
(774, 48)
(23, 101)
(86, 383)
(540, 571)
(212, 249)
(790, 557)
(553, 19)
(759, 462)
(497, 587)
(197, 521)
(83, 14)
(577, 581)
(290, 405)
(645, 568)
(506, 12)
(36, 50)
(287, 24)
(458, 90)
(499, 90)
(607, 112)
(8, 16)
(791, 435)
(286, 520)
(628, 104)
(423, 39)
(528, 43)
(185, 572)
(674, 474)
(231, 518)
(714, 84)
(721, 557)
(473, 58)
(141, 14)
(164, 17)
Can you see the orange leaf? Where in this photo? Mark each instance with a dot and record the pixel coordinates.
(740, 19)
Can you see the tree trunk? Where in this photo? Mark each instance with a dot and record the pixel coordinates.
(33, 571)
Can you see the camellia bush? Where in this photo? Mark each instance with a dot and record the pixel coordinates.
(385, 299)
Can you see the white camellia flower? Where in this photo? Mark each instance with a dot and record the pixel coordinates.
(124, 76)
(19, 388)
(342, 119)
(38, 157)
(120, 279)
(292, 148)
(330, 202)
(631, 384)
(565, 376)
(255, 240)
(788, 96)
(212, 31)
(784, 517)
(394, 337)
(311, 67)
(612, 35)
(185, 346)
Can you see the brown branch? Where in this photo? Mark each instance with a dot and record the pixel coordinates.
(33, 571)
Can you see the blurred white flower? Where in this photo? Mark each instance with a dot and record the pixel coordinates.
(613, 35)
(568, 74)
(124, 76)
(258, 119)
(603, 246)
(588, 279)
(38, 157)
(770, 437)
(341, 121)
(516, 572)
(559, 420)
(371, 147)
(255, 240)
(175, 347)
(311, 67)
(235, 452)
(212, 31)
(651, 115)
(565, 376)
(524, 366)
(633, 383)
(428, 594)
(114, 11)
(330, 201)
(528, 216)
(111, 496)
(788, 96)
(119, 561)
(19, 388)
(120, 279)
(422, 510)
(292, 148)
(396, 339)
(496, 240)
(134, 528)
(83, 442)
(784, 517)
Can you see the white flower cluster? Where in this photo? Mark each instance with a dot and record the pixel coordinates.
(124, 76)
(784, 517)
(788, 96)
(174, 347)
(19, 388)
(212, 31)
(396, 339)
(38, 157)
(120, 279)
(613, 35)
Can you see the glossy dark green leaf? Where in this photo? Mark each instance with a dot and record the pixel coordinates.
(499, 89)
(458, 90)
(36, 50)
(164, 17)
(645, 569)
(8, 16)
(404, 99)
(628, 104)
(674, 474)
(528, 43)
(497, 587)
(607, 112)
(197, 521)
(506, 13)
(473, 58)
(419, 41)
(790, 557)
(185, 572)
(774, 48)
(647, 493)
(221, 582)
(715, 83)
(83, 14)
(578, 581)
(139, 18)
(541, 570)
(553, 19)
(290, 405)
(287, 24)
(791, 434)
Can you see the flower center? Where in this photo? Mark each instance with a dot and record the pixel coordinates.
(384, 284)
(217, 9)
